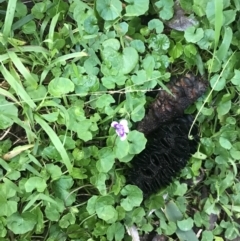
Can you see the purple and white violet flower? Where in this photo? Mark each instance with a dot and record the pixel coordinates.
(121, 128)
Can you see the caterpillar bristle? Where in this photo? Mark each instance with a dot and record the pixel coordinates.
(167, 151)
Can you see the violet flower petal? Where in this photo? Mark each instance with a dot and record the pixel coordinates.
(122, 138)
(124, 123)
(121, 128)
(114, 124)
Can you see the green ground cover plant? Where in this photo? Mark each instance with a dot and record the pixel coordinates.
(68, 69)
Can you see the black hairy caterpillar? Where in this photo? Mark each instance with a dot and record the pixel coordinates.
(167, 151)
(166, 128)
(185, 90)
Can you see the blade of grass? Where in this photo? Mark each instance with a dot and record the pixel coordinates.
(224, 47)
(51, 31)
(3, 57)
(39, 196)
(22, 21)
(30, 48)
(34, 160)
(68, 56)
(9, 95)
(55, 141)
(22, 69)
(16, 86)
(44, 75)
(218, 21)
(32, 170)
(61, 108)
(5, 165)
(44, 25)
(33, 199)
(51, 103)
(16, 151)
(34, 50)
(9, 17)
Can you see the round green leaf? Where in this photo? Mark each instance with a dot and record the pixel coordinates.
(135, 104)
(224, 107)
(171, 228)
(217, 83)
(91, 204)
(38, 93)
(156, 24)
(138, 45)
(235, 153)
(159, 42)
(116, 231)
(29, 28)
(181, 189)
(121, 28)
(7, 207)
(130, 59)
(52, 212)
(104, 101)
(176, 51)
(111, 56)
(38, 10)
(104, 208)
(133, 199)
(138, 215)
(136, 7)
(60, 86)
(121, 148)
(208, 235)
(166, 9)
(21, 223)
(207, 40)
(109, 9)
(137, 142)
(106, 159)
(83, 130)
(193, 35)
(231, 232)
(106, 213)
(90, 25)
(99, 181)
(35, 183)
(186, 224)
(78, 173)
(236, 78)
(140, 78)
(225, 143)
(66, 220)
(199, 155)
(111, 42)
(61, 189)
